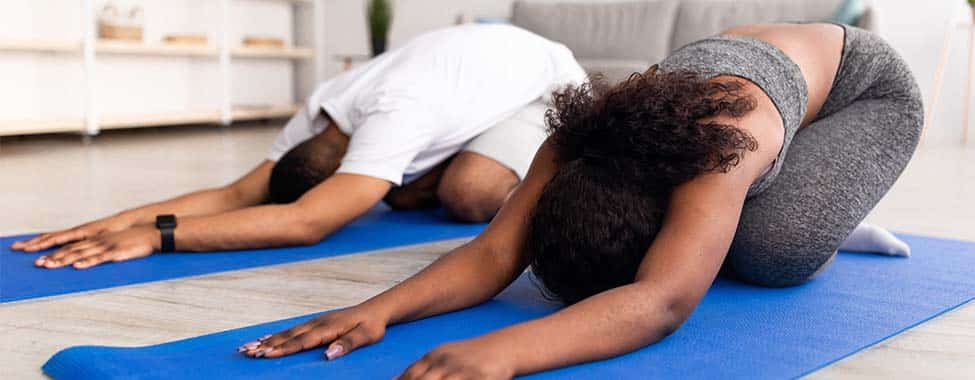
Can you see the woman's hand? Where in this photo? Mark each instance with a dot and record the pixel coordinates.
(82, 232)
(124, 245)
(343, 331)
(469, 359)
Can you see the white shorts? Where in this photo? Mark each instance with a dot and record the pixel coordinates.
(514, 141)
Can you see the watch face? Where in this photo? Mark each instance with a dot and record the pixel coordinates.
(166, 221)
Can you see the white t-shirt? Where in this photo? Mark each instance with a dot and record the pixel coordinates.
(413, 107)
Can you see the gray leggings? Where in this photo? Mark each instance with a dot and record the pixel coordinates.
(836, 169)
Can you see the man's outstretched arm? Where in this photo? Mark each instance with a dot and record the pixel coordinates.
(320, 212)
(249, 190)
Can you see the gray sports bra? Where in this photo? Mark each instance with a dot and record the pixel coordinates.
(759, 62)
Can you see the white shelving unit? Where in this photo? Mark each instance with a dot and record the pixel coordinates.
(225, 52)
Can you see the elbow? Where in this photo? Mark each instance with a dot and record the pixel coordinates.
(300, 232)
(675, 313)
(304, 235)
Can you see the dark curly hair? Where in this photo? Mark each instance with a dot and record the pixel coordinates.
(621, 150)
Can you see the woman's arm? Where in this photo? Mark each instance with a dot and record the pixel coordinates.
(677, 271)
(469, 275)
(249, 190)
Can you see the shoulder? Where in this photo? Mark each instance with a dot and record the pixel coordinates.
(763, 123)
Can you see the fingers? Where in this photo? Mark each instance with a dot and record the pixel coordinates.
(112, 254)
(281, 337)
(49, 240)
(359, 336)
(416, 371)
(92, 260)
(70, 254)
(311, 334)
(310, 339)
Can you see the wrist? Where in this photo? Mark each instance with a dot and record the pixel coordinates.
(377, 310)
(502, 357)
(156, 238)
(130, 218)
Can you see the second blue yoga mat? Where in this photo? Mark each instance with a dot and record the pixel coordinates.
(738, 331)
(20, 280)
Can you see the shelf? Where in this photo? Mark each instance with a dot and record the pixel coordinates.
(23, 127)
(263, 52)
(298, 2)
(161, 119)
(137, 48)
(40, 46)
(243, 113)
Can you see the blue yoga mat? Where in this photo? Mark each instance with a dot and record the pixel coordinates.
(380, 228)
(738, 331)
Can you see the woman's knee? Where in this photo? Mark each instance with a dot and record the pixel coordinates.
(782, 260)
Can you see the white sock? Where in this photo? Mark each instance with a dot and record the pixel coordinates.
(874, 239)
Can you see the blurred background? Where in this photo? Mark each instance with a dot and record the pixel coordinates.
(110, 103)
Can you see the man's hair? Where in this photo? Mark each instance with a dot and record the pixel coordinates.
(304, 167)
(621, 151)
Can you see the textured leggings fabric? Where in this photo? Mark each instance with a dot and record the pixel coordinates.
(836, 169)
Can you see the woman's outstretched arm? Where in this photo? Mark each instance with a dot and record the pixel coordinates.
(469, 275)
(677, 271)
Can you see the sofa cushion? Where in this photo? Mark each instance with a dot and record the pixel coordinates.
(615, 70)
(628, 30)
(697, 19)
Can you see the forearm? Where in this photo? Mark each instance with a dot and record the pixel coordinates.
(479, 270)
(204, 202)
(254, 227)
(609, 324)
(317, 214)
(470, 275)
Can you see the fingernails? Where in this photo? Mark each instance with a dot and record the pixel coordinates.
(263, 338)
(334, 351)
(261, 353)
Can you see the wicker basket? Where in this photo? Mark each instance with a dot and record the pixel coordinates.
(113, 25)
(115, 32)
(265, 42)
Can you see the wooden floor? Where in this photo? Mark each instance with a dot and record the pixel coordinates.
(57, 181)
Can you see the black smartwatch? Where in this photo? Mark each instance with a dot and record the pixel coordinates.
(166, 224)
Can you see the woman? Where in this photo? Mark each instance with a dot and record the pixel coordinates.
(761, 149)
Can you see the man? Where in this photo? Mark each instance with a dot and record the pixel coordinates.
(452, 118)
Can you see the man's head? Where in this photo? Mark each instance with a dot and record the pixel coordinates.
(306, 165)
(621, 151)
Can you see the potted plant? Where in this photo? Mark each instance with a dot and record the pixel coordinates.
(379, 14)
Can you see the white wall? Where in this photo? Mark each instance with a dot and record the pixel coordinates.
(916, 28)
(45, 85)
(345, 22)
(42, 86)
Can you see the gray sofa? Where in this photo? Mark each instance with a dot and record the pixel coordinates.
(619, 37)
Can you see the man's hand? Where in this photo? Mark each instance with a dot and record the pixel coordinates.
(343, 331)
(469, 359)
(79, 233)
(124, 245)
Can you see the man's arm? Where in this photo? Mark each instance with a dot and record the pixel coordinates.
(322, 210)
(249, 190)
(318, 213)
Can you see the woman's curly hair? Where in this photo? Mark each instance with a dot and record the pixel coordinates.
(621, 150)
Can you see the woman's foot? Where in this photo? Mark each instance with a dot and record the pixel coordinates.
(874, 239)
